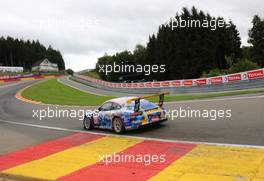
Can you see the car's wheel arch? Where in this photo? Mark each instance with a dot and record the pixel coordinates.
(114, 117)
(91, 122)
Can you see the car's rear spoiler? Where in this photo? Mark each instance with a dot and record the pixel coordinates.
(137, 100)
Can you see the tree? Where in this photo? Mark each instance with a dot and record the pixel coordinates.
(256, 38)
(139, 54)
(243, 65)
(70, 71)
(246, 52)
(186, 52)
(16, 52)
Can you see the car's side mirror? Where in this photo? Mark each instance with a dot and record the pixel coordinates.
(99, 108)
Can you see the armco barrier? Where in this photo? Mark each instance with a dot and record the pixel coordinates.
(244, 80)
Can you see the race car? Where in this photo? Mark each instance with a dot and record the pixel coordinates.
(126, 113)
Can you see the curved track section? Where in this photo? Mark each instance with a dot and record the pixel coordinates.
(244, 127)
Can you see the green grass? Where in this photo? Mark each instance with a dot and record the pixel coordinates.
(92, 74)
(1, 83)
(53, 92)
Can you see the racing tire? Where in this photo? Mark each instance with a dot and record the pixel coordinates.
(118, 126)
(87, 123)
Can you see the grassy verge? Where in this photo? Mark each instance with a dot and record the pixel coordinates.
(92, 74)
(53, 92)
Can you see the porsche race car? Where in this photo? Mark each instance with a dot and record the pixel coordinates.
(126, 113)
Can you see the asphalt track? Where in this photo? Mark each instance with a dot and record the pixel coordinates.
(244, 127)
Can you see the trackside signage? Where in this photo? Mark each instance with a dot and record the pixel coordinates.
(201, 82)
(165, 84)
(217, 80)
(156, 84)
(148, 84)
(188, 83)
(255, 74)
(141, 85)
(249, 75)
(234, 77)
(18, 76)
(176, 83)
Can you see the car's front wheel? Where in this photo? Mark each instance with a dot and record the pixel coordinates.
(87, 123)
(118, 126)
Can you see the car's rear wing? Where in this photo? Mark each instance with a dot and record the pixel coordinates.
(137, 100)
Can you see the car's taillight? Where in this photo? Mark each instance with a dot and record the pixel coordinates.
(136, 113)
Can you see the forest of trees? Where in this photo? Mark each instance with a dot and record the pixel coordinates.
(16, 52)
(191, 52)
(256, 39)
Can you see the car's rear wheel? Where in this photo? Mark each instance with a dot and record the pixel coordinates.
(118, 126)
(87, 123)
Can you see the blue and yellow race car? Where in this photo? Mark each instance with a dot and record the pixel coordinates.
(126, 113)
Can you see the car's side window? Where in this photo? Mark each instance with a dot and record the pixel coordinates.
(116, 106)
(106, 106)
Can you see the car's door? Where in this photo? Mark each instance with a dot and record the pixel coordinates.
(104, 115)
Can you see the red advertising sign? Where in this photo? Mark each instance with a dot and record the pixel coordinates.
(129, 85)
(165, 84)
(176, 83)
(12, 80)
(235, 77)
(188, 83)
(217, 80)
(148, 84)
(156, 84)
(134, 85)
(141, 85)
(124, 85)
(255, 74)
(10, 77)
(4, 77)
(201, 82)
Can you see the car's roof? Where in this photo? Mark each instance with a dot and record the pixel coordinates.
(121, 100)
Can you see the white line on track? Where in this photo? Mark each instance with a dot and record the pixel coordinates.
(126, 136)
